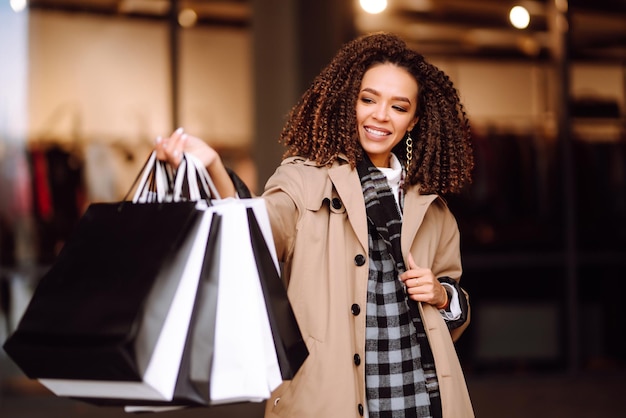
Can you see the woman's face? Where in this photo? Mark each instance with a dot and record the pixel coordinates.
(385, 110)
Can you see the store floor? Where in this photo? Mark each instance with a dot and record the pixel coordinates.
(506, 396)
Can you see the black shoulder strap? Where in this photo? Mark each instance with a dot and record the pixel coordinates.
(242, 190)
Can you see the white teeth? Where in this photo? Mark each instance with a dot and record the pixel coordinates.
(375, 132)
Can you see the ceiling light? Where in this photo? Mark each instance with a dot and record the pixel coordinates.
(18, 5)
(187, 18)
(373, 6)
(519, 17)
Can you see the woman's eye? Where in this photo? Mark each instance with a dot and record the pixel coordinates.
(400, 109)
(366, 100)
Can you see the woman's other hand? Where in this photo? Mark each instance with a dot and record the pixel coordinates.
(422, 285)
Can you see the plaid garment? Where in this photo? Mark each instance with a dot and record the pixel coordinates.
(399, 368)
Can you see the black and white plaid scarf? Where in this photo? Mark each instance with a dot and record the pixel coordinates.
(399, 367)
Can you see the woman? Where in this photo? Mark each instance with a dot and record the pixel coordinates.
(370, 249)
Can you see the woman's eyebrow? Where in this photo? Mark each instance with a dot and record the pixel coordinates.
(399, 98)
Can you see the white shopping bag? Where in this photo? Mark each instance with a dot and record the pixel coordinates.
(245, 365)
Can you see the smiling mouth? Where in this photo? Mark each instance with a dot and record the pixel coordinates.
(376, 132)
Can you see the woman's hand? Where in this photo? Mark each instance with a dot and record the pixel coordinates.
(171, 149)
(422, 285)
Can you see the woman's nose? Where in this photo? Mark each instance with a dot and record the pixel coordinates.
(380, 113)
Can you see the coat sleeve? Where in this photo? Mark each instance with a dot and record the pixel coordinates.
(447, 263)
(284, 205)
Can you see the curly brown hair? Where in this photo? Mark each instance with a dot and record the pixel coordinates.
(323, 122)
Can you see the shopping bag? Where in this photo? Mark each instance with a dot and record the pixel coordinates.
(198, 345)
(109, 319)
(289, 345)
(218, 346)
(110, 309)
(257, 339)
(243, 364)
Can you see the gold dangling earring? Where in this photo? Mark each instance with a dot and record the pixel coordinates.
(409, 150)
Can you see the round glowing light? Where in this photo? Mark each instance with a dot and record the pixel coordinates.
(18, 5)
(519, 17)
(187, 18)
(373, 6)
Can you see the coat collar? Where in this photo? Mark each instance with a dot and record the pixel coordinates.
(346, 182)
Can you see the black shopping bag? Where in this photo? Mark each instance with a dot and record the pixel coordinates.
(290, 346)
(97, 317)
(199, 345)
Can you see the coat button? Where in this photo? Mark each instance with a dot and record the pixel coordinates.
(361, 411)
(356, 309)
(359, 260)
(336, 203)
(357, 360)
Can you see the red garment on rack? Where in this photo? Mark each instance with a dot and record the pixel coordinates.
(41, 185)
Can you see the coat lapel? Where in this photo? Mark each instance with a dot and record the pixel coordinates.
(346, 182)
(415, 204)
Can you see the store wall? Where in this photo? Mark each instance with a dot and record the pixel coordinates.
(99, 78)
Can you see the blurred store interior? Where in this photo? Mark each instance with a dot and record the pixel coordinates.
(86, 86)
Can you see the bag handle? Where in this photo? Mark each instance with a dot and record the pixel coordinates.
(205, 178)
(156, 182)
(192, 173)
(153, 182)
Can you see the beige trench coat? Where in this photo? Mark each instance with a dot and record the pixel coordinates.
(319, 224)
